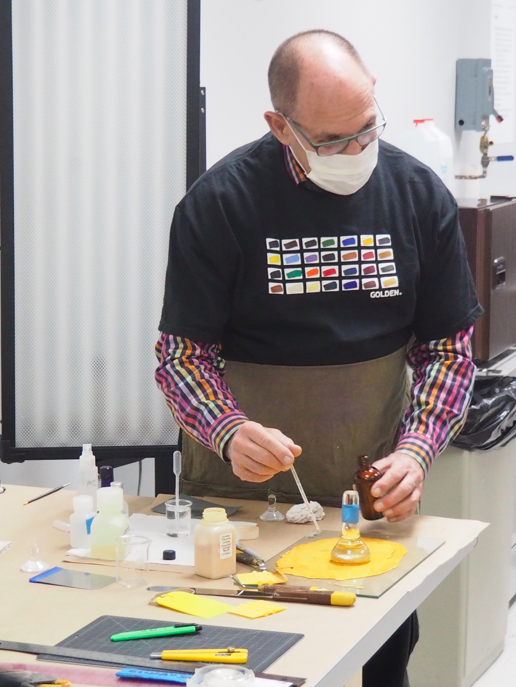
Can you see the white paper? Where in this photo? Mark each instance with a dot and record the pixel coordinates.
(503, 28)
(4, 545)
(80, 553)
(242, 523)
(153, 527)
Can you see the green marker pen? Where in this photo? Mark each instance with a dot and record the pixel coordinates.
(156, 632)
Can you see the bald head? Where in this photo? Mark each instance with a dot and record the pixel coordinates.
(312, 60)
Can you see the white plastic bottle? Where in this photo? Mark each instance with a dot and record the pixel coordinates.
(109, 523)
(125, 509)
(87, 480)
(214, 545)
(80, 521)
(432, 147)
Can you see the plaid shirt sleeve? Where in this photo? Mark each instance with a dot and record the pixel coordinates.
(443, 376)
(190, 375)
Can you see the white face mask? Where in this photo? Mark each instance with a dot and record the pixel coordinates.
(341, 174)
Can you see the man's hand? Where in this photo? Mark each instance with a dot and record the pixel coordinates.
(399, 489)
(257, 453)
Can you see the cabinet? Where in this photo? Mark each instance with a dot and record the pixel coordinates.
(489, 230)
(464, 621)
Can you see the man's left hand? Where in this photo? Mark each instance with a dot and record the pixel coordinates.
(399, 489)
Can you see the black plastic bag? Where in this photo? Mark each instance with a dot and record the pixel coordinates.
(491, 420)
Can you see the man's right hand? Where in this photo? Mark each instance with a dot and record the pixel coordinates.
(257, 453)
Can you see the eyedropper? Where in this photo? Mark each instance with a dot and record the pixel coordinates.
(177, 472)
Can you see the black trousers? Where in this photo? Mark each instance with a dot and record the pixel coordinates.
(388, 666)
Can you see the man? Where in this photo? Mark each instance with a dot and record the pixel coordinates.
(308, 267)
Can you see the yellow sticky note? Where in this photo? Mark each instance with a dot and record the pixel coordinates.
(193, 604)
(257, 609)
(269, 606)
(262, 578)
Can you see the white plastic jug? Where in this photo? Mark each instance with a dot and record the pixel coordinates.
(431, 146)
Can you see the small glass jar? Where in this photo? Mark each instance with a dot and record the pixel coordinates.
(350, 548)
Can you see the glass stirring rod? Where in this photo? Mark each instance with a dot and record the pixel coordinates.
(307, 503)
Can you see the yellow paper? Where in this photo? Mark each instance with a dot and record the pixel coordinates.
(257, 609)
(312, 560)
(261, 578)
(193, 604)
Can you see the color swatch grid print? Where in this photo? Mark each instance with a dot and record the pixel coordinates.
(331, 264)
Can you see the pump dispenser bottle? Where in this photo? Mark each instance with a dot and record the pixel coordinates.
(365, 477)
(214, 545)
(109, 524)
(106, 475)
(87, 475)
(350, 548)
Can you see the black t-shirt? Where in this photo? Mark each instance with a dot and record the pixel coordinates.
(289, 274)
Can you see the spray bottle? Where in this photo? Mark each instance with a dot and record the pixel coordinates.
(87, 475)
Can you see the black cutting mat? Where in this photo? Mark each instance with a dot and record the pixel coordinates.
(264, 647)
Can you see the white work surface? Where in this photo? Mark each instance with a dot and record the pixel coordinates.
(337, 641)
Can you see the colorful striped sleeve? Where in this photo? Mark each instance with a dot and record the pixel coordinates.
(443, 376)
(190, 376)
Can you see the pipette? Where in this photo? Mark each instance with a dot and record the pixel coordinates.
(307, 503)
(177, 472)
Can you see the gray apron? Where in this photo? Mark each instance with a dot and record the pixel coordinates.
(334, 412)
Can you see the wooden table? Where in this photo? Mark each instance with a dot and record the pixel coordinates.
(337, 642)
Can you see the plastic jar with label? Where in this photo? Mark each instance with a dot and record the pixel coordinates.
(215, 545)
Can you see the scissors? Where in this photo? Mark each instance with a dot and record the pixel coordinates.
(229, 655)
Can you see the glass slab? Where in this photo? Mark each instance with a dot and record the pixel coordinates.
(418, 548)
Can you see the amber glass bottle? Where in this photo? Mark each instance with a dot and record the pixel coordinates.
(365, 477)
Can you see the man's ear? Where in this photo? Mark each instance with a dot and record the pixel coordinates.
(278, 126)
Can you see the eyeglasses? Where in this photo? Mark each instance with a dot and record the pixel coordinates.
(364, 138)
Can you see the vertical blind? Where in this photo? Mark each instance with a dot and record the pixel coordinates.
(99, 90)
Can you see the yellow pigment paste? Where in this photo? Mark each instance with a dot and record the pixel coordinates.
(312, 560)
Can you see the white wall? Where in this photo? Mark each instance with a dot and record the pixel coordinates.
(411, 45)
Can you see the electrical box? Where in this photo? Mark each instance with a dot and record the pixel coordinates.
(474, 96)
